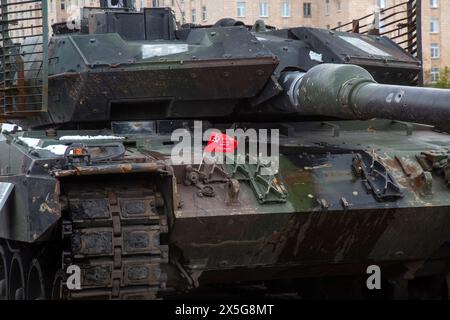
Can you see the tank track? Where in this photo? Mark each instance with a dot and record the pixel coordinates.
(114, 235)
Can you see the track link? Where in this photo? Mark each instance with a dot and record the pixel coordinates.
(114, 234)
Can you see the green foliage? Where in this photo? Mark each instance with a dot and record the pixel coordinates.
(444, 79)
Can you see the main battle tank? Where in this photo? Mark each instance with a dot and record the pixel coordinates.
(91, 187)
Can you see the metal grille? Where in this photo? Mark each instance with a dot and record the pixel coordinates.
(24, 58)
(401, 23)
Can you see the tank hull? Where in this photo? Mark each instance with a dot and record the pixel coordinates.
(330, 225)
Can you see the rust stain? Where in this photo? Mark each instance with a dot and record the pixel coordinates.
(21, 84)
(126, 168)
(406, 174)
(226, 243)
(46, 208)
(295, 176)
(407, 168)
(337, 174)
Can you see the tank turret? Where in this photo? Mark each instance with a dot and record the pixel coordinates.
(123, 65)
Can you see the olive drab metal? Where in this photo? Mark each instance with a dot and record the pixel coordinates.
(88, 176)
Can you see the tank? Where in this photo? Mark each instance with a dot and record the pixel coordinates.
(109, 188)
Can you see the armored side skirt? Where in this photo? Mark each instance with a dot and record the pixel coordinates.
(250, 246)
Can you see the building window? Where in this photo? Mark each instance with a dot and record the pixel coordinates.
(264, 9)
(63, 5)
(434, 25)
(204, 13)
(307, 10)
(286, 8)
(327, 7)
(435, 51)
(338, 5)
(241, 9)
(194, 15)
(434, 3)
(381, 4)
(155, 3)
(434, 75)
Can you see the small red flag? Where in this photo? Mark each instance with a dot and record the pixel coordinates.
(221, 143)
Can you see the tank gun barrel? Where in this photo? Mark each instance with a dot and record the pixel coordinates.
(350, 92)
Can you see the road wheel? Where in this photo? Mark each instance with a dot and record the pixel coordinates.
(37, 282)
(17, 278)
(4, 264)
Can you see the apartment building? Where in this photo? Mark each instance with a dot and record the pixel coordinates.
(435, 37)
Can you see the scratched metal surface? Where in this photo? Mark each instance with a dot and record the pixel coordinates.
(301, 232)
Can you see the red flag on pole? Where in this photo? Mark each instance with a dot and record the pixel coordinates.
(221, 143)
